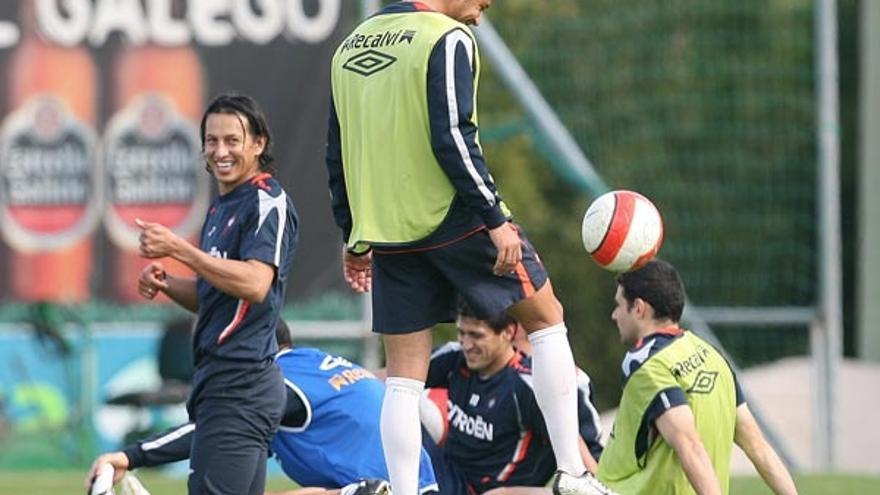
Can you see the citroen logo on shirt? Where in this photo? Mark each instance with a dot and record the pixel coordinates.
(369, 62)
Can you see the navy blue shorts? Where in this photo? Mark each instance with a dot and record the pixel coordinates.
(450, 478)
(236, 412)
(414, 290)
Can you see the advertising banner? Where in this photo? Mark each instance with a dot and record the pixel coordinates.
(101, 103)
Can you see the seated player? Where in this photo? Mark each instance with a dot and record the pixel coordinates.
(329, 435)
(682, 408)
(496, 436)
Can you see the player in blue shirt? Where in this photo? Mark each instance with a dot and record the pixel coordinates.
(335, 440)
(246, 248)
(496, 434)
(329, 435)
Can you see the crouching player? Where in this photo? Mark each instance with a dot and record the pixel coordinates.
(329, 435)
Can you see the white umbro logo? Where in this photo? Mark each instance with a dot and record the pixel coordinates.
(474, 400)
(331, 362)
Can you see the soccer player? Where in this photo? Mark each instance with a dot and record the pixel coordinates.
(682, 408)
(496, 434)
(246, 248)
(422, 221)
(329, 434)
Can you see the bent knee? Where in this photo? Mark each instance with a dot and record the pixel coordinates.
(541, 310)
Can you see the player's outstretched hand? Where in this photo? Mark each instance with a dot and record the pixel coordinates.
(152, 280)
(156, 240)
(507, 241)
(118, 460)
(357, 270)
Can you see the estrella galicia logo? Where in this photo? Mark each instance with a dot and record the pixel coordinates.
(704, 383)
(369, 62)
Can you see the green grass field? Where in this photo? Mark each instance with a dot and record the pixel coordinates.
(71, 482)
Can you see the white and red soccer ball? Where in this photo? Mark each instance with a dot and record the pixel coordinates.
(622, 230)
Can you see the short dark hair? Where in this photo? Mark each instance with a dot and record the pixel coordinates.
(497, 322)
(658, 284)
(236, 104)
(282, 334)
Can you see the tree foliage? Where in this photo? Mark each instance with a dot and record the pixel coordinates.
(706, 107)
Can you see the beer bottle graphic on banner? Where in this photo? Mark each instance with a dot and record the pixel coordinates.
(152, 155)
(50, 190)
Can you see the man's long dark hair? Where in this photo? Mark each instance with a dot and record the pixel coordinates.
(245, 106)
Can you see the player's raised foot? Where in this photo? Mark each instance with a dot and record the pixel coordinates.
(373, 487)
(585, 484)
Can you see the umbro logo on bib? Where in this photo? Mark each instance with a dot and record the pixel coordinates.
(369, 62)
(704, 383)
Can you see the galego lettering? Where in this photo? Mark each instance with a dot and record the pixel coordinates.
(690, 364)
(387, 38)
(177, 23)
(477, 427)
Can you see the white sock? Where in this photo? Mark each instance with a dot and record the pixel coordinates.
(554, 376)
(401, 433)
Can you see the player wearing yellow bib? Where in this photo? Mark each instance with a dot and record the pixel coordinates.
(423, 223)
(682, 408)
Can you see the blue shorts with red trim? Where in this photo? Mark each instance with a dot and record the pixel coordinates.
(416, 289)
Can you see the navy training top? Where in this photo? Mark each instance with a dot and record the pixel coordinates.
(254, 221)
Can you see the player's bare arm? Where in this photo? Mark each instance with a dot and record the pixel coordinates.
(152, 280)
(249, 280)
(507, 241)
(357, 270)
(182, 290)
(676, 425)
(749, 438)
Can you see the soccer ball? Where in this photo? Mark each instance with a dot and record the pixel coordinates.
(622, 230)
(433, 411)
